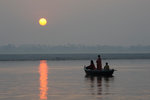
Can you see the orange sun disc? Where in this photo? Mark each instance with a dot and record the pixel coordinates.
(42, 21)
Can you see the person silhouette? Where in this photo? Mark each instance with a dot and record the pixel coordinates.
(106, 67)
(99, 63)
(91, 66)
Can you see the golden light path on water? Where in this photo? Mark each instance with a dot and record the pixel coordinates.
(43, 71)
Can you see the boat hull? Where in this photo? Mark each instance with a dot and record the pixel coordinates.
(98, 72)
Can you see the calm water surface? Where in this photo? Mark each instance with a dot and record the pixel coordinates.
(66, 80)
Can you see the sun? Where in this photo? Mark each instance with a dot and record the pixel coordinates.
(42, 21)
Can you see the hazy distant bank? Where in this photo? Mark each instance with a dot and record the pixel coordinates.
(28, 57)
(71, 52)
(67, 49)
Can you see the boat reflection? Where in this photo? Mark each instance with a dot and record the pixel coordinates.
(99, 84)
(43, 71)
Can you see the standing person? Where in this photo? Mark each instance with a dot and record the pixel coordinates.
(91, 66)
(99, 63)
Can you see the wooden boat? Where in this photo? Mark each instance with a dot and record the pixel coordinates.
(99, 72)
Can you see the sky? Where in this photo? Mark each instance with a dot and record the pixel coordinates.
(86, 22)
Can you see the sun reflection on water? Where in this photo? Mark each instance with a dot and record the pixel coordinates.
(43, 71)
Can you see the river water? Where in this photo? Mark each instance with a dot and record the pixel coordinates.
(66, 80)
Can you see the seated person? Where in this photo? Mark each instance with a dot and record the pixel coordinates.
(91, 66)
(106, 67)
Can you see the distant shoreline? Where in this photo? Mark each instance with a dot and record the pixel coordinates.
(73, 56)
(71, 49)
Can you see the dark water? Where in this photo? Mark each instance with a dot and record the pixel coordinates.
(66, 80)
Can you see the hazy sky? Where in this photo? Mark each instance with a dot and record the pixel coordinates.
(89, 22)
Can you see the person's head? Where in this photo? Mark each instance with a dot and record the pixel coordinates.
(99, 56)
(106, 63)
(92, 62)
